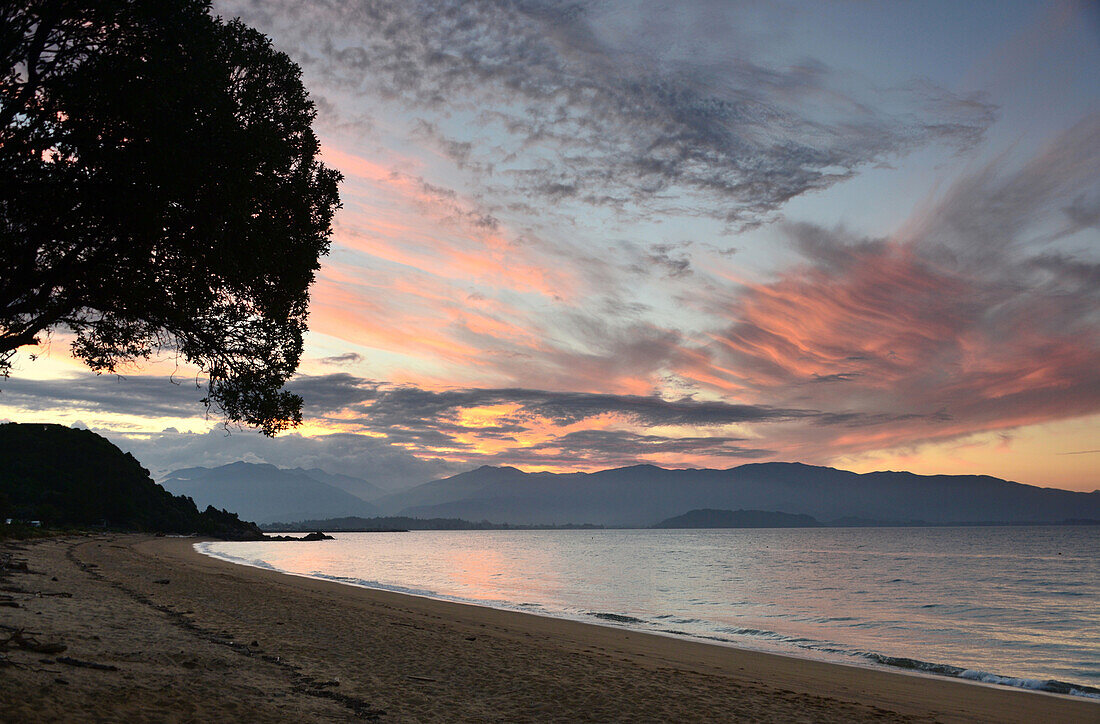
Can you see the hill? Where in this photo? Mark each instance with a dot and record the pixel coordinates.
(644, 494)
(268, 494)
(711, 518)
(358, 487)
(66, 477)
(400, 523)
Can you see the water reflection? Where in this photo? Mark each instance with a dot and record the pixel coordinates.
(1018, 601)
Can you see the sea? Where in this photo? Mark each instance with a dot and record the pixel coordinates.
(1014, 606)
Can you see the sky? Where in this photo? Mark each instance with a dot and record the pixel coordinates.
(582, 235)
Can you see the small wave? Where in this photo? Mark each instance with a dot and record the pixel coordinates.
(901, 662)
(672, 618)
(616, 617)
(1052, 686)
(377, 585)
(205, 549)
(769, 635)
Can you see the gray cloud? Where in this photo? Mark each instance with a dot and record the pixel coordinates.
(627, 446)
(543, 100)
(977, 318)
(342, 359)
(392, 466)
(406, 405)
(402, 435)
(379, 461)
(615, 448)
(670, 260)
(141, 395)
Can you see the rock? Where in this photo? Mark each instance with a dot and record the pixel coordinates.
(316, 535)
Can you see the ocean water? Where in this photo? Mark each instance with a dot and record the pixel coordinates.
(1018, 606)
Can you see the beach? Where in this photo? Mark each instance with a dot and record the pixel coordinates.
(154, 631)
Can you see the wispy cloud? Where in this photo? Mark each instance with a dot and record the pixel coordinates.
(361, 456)
(535, 263)
(966, 313)
(543, 101)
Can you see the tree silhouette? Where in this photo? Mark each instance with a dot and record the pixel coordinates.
(159, 190)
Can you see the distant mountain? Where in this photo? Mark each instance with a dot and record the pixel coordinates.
(358, 487)
(711, 518)
(454, 488)
(75, 478)
(267, 494)
(401, 523)
(644, 494)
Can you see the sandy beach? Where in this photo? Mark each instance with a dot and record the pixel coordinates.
(154, 631)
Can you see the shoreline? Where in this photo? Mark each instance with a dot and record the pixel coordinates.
(200, 637)
(871, 661)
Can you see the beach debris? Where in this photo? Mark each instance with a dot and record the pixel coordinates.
(10, 564)
(162, 581)
(30, 642)
(85, 664)
(407, 625)
(420, 678)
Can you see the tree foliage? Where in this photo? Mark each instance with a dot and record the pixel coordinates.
(159, 190)
(65, 477)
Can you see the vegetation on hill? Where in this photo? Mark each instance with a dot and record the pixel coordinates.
(710, 518)
(404, 523)
(75, 478)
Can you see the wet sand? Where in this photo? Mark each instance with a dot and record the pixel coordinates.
(157, 632)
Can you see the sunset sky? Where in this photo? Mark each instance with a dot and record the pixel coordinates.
(583, 235)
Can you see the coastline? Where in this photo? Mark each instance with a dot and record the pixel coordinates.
(195, 637)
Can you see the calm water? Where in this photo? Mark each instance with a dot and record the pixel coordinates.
(1012, 605)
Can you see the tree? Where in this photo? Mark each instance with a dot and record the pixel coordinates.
(159, 190)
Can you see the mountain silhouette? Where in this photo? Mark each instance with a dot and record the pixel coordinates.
(643, 495)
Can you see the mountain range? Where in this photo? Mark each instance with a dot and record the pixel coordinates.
(267, 494)
(640, 495)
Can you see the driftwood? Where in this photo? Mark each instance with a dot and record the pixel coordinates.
(10, 564)
(6, 600)
(85, 664)
(31, 643)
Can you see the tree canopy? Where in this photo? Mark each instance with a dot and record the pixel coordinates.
(159, 191)
(66, 477)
